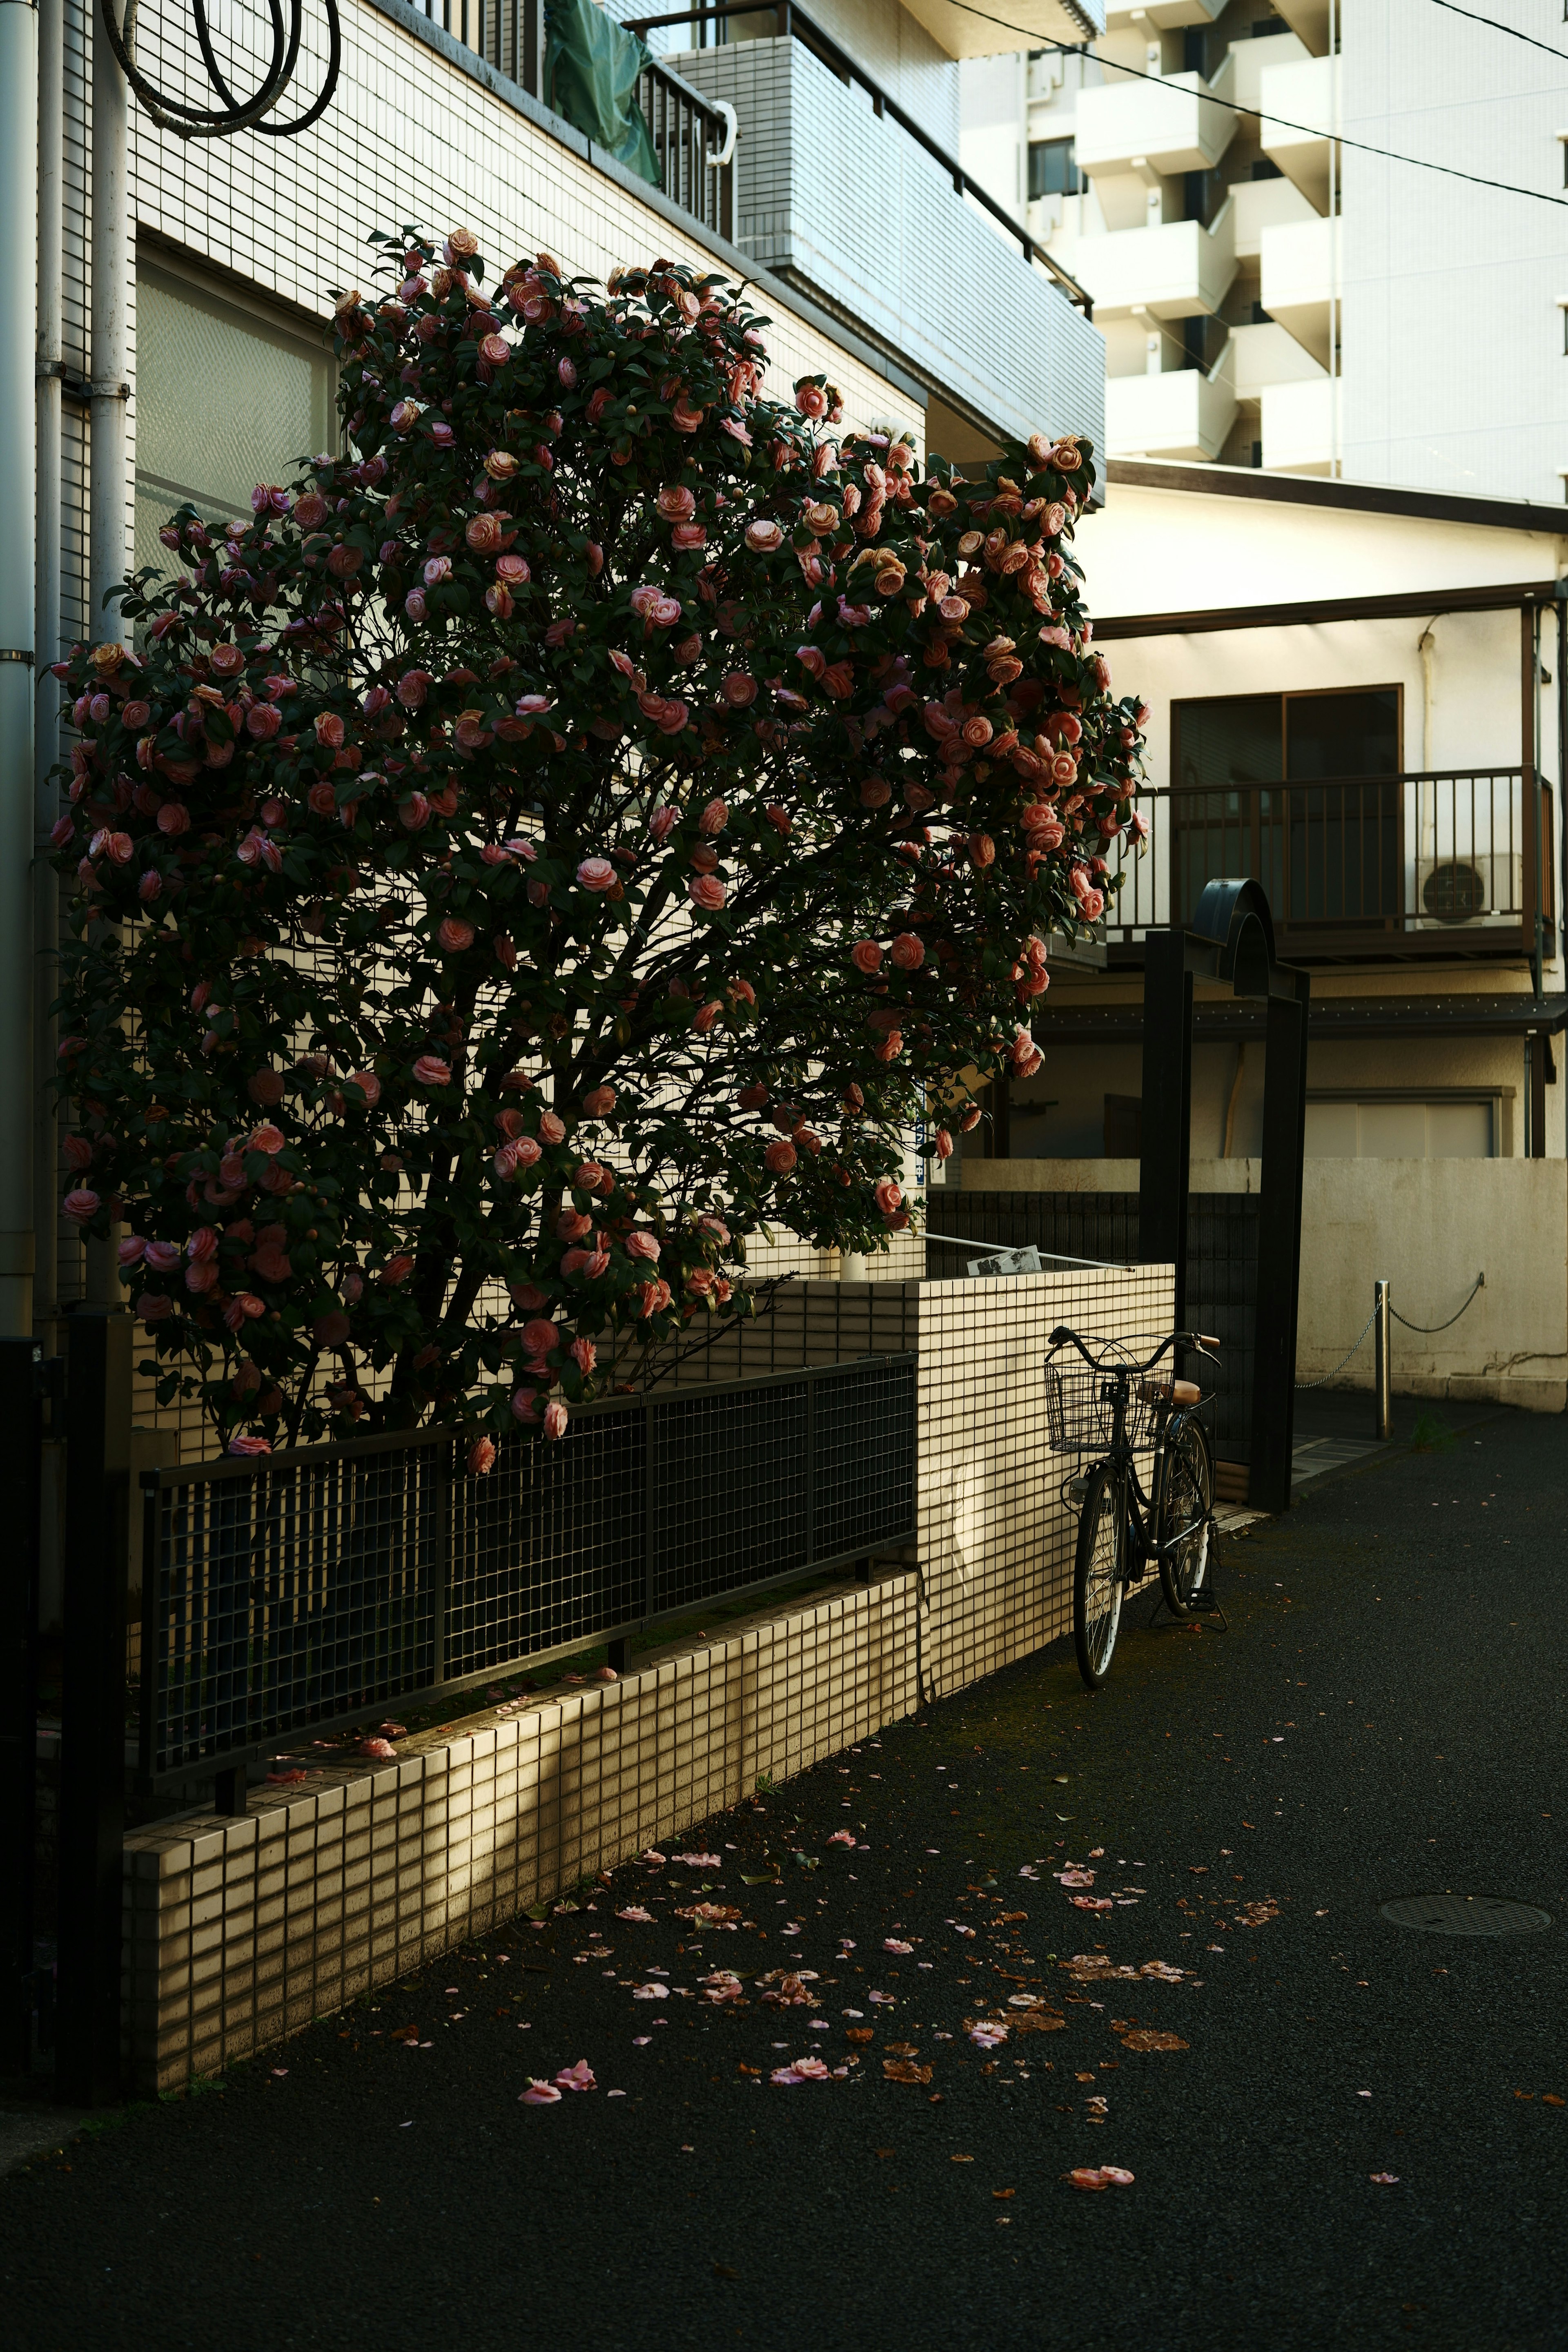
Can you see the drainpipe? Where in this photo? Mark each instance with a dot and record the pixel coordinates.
(109, 552)
(47, 576)
(18, 338)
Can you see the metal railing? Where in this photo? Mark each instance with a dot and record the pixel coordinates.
(1443, 860)
(689, 133)
(303, 1590)
(794, 24)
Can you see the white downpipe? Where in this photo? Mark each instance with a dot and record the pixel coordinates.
(109, 558)
(19, 490)
(48, 577)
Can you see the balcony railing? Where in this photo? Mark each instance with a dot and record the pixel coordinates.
(1439, 864)
(690, 135)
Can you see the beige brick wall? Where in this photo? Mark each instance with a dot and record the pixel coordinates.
(237, 1932)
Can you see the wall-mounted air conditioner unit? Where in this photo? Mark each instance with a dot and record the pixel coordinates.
(1484, 886)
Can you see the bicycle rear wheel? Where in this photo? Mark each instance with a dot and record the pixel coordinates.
(1184, 1514)
(1097, 1573)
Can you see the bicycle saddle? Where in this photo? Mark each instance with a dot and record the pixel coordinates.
(1178, 1392)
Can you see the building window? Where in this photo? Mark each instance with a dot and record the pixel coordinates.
(1053, 169)
(1289, 789)
(1389, 1126)
(226, 396)
(1263, 169)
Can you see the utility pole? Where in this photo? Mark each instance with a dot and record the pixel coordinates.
(18, 515)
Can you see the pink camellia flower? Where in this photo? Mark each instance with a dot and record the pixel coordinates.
(909, 952)
(162, 1257)
(599, 1102)
(739, 690)
(706, 893)
(368, 1084)
(455, 935)
(397, 1269)
(585, 1355)
(552, 1129)
(714, 817)
(644, 1245)
(842, 1837)
(524, 1404)
(1093, 905)
(539, 2094)
(577, 2078)
(82, 1205)
(265, 1087)
(596, 873)
(539, 1337)
(804, 2070)
(866, 956)
(429, 1070)
(943, 1144)
(201, 1245)
(676, 503)
(413, 604)
(266, 1137)
(331, 1330)
(662, 823)
(555, 1418)
(763, 535)
(495, 351)
(353, 1285)
(811, 400)
(154, 1305)
(780, 1157)
(78, 1152)
(889, 1196)
(174, 818)
(382, 1749)
(482, 1456)
(329, 730)
(249, 1445)
(130, 1249)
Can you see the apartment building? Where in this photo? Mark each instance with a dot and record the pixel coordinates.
(186, 285)
(1272, 293)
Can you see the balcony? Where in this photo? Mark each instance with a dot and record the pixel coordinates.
(1171, 126)
(1249, 60)
(1301, 426)
(1182, 414)
(1300, 267)
(839, 194)
(1165, 16)
(1257, 358)
(1302, 93)
(1263, 204)
(1361, 869)
(1170, 271)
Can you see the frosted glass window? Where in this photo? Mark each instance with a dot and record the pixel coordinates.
(1331, 1132)
(224, 398)
(1393, 1131)
(1401, 1130)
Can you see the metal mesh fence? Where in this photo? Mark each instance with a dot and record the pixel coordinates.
(290, 1592)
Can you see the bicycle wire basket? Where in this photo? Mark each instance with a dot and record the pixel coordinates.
(1080, 1402)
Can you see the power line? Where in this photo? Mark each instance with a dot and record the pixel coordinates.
(1499, 26)
(1388, 154)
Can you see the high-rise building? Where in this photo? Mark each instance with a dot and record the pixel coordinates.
(1272, 293)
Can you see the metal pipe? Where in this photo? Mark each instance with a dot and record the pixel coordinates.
(110, 390)
(18, 492)
(48, 580)
(1383, 1372)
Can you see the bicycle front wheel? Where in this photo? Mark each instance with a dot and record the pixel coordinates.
(1098, 1574)
(1186, 1521)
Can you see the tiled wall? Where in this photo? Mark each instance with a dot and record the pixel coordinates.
(238, 1931)
(847, 204)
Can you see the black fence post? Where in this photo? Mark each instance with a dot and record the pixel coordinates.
(1167, 1097)
(92, 1712)
(1273, 1415)
(21, 1439)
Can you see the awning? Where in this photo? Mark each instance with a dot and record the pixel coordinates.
(1337, 1017)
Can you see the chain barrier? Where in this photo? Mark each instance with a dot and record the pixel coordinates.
(1479, 1283)
(1302, 1386)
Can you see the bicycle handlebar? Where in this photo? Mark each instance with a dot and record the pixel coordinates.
(1201, 1342)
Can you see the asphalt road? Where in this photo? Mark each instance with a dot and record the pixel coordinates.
(1384, 1718)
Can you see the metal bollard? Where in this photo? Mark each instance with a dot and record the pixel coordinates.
(1383, 1373)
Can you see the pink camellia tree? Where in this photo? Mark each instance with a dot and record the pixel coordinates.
(586, 823)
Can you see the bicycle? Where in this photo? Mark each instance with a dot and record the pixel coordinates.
(1114, 1408)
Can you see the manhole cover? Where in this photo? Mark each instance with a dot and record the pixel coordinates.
(1466, 1914)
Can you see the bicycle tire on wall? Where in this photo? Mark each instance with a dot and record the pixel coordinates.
(1097, 1568)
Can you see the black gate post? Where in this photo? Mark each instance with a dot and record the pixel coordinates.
(21, 1443)
(1273, 1415)
(1167, 1096)
(92, 1711)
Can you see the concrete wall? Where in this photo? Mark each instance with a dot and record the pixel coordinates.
(1429, 1227)
(236, 1931)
